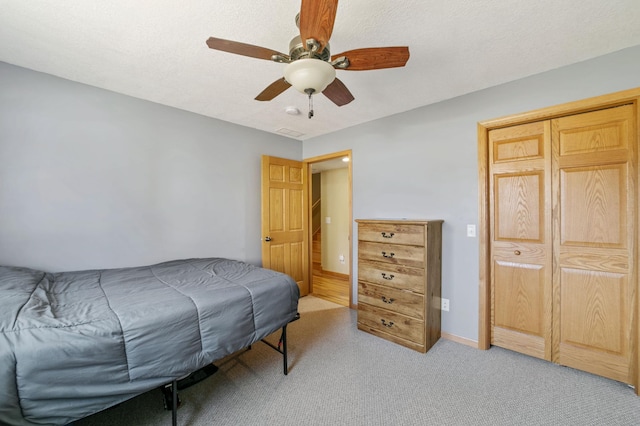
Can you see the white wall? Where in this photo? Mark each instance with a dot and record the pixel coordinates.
(94, 179)
(423, 163)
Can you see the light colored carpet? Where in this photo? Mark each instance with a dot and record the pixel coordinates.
(341, 376)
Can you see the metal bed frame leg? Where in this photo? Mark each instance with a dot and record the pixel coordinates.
(174, 403)
(284, 350)
(283, 342)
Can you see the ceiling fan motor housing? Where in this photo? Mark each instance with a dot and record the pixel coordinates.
(297, 50)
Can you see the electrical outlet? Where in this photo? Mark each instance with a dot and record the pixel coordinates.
(445, 305)
(341, 258)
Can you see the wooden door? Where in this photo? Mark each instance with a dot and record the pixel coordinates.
(284, 219)
(594, 195)
(520, 235)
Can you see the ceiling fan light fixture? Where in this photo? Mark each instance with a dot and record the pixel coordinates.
(309, 75)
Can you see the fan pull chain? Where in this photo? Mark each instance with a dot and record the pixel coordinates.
(310, 92)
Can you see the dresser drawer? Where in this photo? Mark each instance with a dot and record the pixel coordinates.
(374, 319)
(392, 253)
(395, 233)
(396, 276)
(403, 302)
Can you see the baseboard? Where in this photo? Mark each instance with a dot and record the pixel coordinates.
(334, 274)
(458, 339)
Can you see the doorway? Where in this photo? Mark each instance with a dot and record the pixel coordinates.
(330, 230)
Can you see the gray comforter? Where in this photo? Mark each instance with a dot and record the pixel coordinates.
(74, 343)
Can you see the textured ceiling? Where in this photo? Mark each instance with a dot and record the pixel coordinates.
(155, 50)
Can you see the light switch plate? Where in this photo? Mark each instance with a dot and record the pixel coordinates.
(471, 230)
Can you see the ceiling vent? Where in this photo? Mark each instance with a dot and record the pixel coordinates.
(289, 132)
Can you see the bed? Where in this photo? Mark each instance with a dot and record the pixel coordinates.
(75, 343)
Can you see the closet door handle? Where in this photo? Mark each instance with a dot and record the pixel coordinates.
(388, 256)
(385, 235)
(389, 277)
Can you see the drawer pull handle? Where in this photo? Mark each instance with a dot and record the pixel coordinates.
(388, 301)
(385, 235)
(386, 324)
(388, 256)
(389, 278)
(517, 252)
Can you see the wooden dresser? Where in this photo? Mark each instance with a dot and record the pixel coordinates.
(399, 268)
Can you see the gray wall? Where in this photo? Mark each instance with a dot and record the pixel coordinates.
(93, 179)
(423, 163)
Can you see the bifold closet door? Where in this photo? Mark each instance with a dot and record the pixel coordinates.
(594, 210)
(521, 241)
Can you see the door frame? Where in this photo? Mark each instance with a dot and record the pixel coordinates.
(308, 162)
(631, 96)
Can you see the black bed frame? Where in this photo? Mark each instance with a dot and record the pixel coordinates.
(281, 348)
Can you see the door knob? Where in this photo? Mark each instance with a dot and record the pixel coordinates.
(267, 238)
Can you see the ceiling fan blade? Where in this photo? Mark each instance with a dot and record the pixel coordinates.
(338, 93)
(375, 58)
(316, 20)
(242, 48)
(273, 90)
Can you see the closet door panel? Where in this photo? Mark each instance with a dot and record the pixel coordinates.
(593, 204)
(519, 297)
(601, 131)
(519, 210)
(594, 323)
(521, 239)
(594, 299)
(594, 196)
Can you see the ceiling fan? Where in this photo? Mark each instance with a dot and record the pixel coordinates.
(310, 66)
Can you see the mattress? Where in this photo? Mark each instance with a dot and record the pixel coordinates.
(75, 343)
